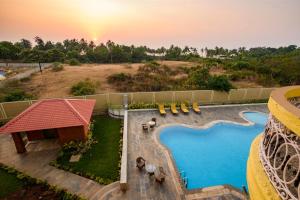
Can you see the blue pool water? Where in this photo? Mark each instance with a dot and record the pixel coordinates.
(216, 155)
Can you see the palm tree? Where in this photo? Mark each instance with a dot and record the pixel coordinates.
(110, 45)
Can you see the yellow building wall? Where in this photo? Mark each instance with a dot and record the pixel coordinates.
(260, 188)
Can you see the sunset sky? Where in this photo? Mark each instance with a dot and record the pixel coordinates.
(155, 23)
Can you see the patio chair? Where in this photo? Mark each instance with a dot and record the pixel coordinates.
(174, 109)
(196, 107)
(183, 108)
(145, 127)
(160, 175)
(140, 162)
(161, 108)
(154, 120)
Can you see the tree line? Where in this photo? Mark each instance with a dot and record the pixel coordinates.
(269, 66)
(87, 52)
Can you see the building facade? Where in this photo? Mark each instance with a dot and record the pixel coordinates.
(273, 169)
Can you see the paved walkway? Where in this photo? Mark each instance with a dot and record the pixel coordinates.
(141, 186)
(36, 164)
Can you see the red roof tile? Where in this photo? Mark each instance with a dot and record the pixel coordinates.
(52, 113)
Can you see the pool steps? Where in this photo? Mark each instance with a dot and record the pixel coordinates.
(184, 178)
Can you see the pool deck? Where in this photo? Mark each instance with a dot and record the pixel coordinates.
(147, 145)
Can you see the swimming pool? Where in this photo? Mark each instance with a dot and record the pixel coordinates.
(216, 155)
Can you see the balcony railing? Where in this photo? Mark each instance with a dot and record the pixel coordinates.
(295, 101)
(280, 156)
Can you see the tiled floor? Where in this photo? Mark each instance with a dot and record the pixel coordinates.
(141, 186)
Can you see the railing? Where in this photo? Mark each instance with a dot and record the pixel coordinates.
(280, 156)
(184, 179)
(104, 101)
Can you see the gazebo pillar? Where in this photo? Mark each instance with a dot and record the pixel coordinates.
(19, 143)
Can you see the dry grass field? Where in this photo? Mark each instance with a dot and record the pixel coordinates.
(51, 84)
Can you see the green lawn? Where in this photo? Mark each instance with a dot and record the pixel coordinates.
(8, 183)
(102, 159)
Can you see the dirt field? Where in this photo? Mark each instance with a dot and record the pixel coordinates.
(57, 84)
(51, 84)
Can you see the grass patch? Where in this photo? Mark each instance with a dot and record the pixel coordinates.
(9, 183)
(102, 160)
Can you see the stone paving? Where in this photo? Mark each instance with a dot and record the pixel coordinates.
(141, 186)
(35, 162)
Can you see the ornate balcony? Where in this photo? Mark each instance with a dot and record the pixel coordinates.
(280, 157)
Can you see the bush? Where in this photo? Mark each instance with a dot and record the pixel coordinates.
(17, 95)
(142, 106)
(119, 77)
(198, 78)
(56, 67)
(74, 62)
(242, 75)
(86, 87)
(220, 83)
(29, 181)
(241, 65)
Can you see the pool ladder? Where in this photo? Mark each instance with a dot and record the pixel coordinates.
(184, 178)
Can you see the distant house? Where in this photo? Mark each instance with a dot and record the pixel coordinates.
(2, 75)
(63, 119)
(155, 54)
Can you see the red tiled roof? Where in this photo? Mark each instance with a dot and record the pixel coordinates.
(52, 113)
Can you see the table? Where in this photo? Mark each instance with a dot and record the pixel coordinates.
(151, 124)
(150, 168)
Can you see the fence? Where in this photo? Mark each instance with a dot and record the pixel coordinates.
(32, 68)
(103, 101)
(3, 64)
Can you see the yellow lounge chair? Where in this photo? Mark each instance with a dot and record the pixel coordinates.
(174, 109)
(184, 109)
(196, 107)
(162, 110)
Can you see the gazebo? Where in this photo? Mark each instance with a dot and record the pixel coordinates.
(64, 119)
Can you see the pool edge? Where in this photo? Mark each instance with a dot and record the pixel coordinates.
(225, 189)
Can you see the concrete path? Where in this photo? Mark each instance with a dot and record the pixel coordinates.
(35, 163)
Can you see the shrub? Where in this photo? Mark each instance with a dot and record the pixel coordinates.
(220, 83)
(30, 181)
(17, 95)
(142, 106)
(242, 75)
(75, 147)
(119, 77)
(199, 78)
(241, 65)
(86, 87)
(74, 62)
(56, 67)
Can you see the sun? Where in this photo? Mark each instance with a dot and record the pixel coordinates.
(96, 16)
(99, 8)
